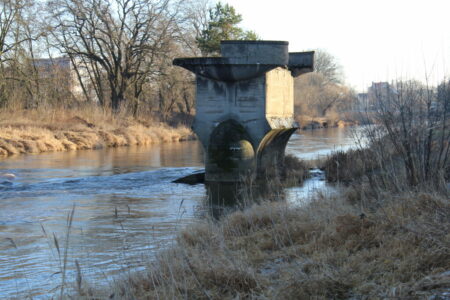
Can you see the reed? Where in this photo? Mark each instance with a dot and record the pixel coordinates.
(35, 131)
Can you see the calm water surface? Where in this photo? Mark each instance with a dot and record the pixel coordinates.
(126, 207)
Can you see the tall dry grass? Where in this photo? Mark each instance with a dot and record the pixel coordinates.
(329, 249)
(87, 127)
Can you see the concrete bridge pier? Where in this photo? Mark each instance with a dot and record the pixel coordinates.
(270, 153)
(245, 106)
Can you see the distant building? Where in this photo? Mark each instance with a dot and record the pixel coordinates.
(379, 93)
(50, 63)
(363, 102)
(61, 71)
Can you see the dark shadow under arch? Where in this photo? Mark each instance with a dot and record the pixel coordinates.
(230, 153)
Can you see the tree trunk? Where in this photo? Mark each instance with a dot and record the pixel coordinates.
(115, 101)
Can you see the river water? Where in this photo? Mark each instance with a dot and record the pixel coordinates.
(125, 208)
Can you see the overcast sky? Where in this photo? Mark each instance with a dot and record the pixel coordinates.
(379, 40)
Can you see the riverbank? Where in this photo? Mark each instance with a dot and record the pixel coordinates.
(330, 248)
(35, 131)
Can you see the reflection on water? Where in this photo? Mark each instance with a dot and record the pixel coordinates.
(313, 144)
(314, 186)
(224, 197)
(126, 207)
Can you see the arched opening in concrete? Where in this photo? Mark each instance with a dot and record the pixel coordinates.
(230, 153)
(270, 153)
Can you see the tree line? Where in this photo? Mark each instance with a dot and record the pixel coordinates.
(120, 51)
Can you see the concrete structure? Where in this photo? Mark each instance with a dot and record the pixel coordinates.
(363, 102)
(381, 93)
(245, 105)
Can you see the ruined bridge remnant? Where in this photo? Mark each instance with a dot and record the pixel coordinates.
(245, 105)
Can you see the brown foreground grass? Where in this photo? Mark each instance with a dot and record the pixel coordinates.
(394, 246)
(34, 131)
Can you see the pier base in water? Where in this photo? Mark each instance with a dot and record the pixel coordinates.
(245, 106)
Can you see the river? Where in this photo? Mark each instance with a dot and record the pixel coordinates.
(125, 205)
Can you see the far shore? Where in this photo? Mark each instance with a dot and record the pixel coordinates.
(62, 130)
(37, 131)
(309, 122)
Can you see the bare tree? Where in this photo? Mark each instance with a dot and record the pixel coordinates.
(121, 42)
(19, 32)
(195, 20)
(327, 65)
(175, 93)
(413, 124)
(10, 15)
(322, 93)
(316, 96)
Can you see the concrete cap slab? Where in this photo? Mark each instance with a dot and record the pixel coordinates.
(301, 62)
(223, 68)
(262, 52)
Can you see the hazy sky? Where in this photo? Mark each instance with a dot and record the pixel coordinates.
(376, 40)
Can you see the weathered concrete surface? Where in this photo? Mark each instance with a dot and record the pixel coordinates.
(257, 52)
(245, 106)
(279, 94)
(301, 62)
(223, 68)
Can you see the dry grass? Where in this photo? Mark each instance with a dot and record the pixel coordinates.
(330, 249)
(351, 165)
(295, 170)
(379, 170)
(292, 171)
(270, 184)
(34, 131)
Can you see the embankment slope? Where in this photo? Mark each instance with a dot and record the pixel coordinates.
(43, 131)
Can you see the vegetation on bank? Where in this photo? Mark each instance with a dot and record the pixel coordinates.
(331, 248)
(74, 129)
(409, 147)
